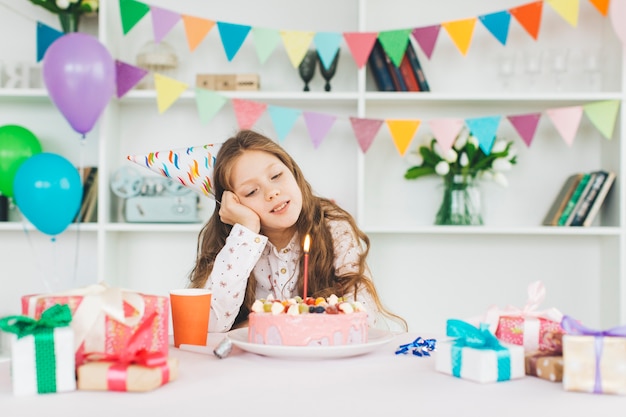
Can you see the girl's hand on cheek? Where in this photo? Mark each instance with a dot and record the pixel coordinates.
(232, 211)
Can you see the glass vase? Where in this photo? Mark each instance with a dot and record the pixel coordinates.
(69, 21)
(461, 204)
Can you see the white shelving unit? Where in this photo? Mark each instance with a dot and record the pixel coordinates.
(424, 273)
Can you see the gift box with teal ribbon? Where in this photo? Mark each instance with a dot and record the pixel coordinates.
(594, 360)
(42, 352)
(476, 354)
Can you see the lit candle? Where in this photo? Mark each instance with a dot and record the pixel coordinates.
(307, 245)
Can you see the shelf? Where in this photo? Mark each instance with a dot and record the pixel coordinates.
(491, 97)
(154, 227)
(19, 226)
(141, 96)
(499, 231)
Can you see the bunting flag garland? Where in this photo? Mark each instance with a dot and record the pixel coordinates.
(497, 24)
(402, 132)
(168, 91)
(283, 119)
(601, 5)
(196, 30)
(360, 45)
(485, 130)
(247, 112)
(394, 43)
(131, 12)
(365, 130)
(460, 31)
(265, 41)
(163, 21)
(529, 17)
(568, 9)
(525, 125)
(209, 103)
(232, 36)
(297, 44)
(445, 131)
(426, 38)
(327, 45)
(566, 121)
(46, 35)
(603, 115)
(318, 125)
(127, 76)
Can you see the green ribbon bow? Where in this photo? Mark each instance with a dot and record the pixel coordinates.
(477, 338)
(43, 332)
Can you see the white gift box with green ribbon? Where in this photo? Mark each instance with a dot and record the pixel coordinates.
(42, 352)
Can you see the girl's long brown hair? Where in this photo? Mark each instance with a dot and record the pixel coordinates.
(316, 212)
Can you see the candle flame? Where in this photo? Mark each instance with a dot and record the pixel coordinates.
(307, 243)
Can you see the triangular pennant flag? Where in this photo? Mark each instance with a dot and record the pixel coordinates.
(529, 17)
(394, 43)
(163, 21)
(232, 36)
(196, 30)
(566, 121)
(127, 76)
(365, 131)
(327, 45)
(168, 90)
(209, 103)
(603, 115)
(360, 45)
(426, 37)
(402, 132)
(247, 112)
(484, 129)
(296, 44)
(445, 131)
(497, 24)
(283, 119)
(525, 125)
(567, 9)
(318, 125)
(601, 5)
(46, 35)
(461, 31)
(265, 41)
(131, 12)
(191, 167)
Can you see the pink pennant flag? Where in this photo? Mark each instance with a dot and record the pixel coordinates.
(163, 21)
(360, 45)
(566, 121)
(127, 77)
(445, 131)
(318, 125)
(365, 131)
(525, 125)
(247, 112)
(426, 37)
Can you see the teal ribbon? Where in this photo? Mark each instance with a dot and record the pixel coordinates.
(43, 332)
(476, 338)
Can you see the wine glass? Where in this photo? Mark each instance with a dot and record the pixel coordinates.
(533, 61)
(506, 68)
(559, 62)
(307, 68)
(592, 61)
(328, 73)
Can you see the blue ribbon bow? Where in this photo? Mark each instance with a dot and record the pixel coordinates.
(420, 347)
(476, 338)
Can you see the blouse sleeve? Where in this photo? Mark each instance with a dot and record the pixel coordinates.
(348, 251)
(230, 273)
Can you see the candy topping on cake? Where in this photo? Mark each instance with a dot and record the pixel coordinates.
(296, 305)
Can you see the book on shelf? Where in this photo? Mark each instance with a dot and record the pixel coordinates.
(417, 67)
(561, 200)
(581, 199)
(377, 64)
(90, 191)
(92, 202)
(605, 183)
(396, 75)
(407, 73)
(571, 204)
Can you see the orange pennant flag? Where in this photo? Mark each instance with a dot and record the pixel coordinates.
(601, 5)
(402, 132)
(529, 17)
(461, 31)
(196, 29)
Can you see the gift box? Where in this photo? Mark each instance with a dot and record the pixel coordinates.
(115, 376)
(545, 365)
(529, 327)
(475, 354)
(104, 319)
(594, 361)
(42, 352)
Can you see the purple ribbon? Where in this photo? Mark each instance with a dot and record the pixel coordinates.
(573, 327)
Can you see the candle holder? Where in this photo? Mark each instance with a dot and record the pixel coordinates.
(329, 73)
(306, 69)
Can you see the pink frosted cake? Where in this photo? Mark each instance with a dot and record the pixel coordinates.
(316, 322)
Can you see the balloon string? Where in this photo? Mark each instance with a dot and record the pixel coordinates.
(81, 171)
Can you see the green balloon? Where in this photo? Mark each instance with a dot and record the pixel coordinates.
(17, 144)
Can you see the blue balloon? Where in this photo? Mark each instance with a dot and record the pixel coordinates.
(48, 191)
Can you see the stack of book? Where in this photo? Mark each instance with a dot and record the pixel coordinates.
(87, 211)
(409, 76)
(580, 199)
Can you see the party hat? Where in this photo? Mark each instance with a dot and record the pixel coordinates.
(192, 167)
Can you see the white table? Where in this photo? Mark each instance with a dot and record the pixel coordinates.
(378, 383)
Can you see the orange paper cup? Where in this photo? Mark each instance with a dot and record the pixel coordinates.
(191, 308)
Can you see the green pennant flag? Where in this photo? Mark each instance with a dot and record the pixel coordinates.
(394, 43)
(265, 41)
(603, 115)
(131, 12)
(209, 103)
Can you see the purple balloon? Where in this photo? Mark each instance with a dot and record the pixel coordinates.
(79, 74)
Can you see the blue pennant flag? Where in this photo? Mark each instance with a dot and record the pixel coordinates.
(484, 128)
(327, 45)
(498, 24)
(232, 36)
(46, 35)
(283, 119)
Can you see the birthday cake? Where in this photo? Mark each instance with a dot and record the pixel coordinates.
(320, 321)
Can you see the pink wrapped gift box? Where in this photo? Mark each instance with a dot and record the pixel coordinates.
(104, 319)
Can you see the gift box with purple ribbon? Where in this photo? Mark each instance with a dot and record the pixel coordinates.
(594, 360)
(477, 355)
